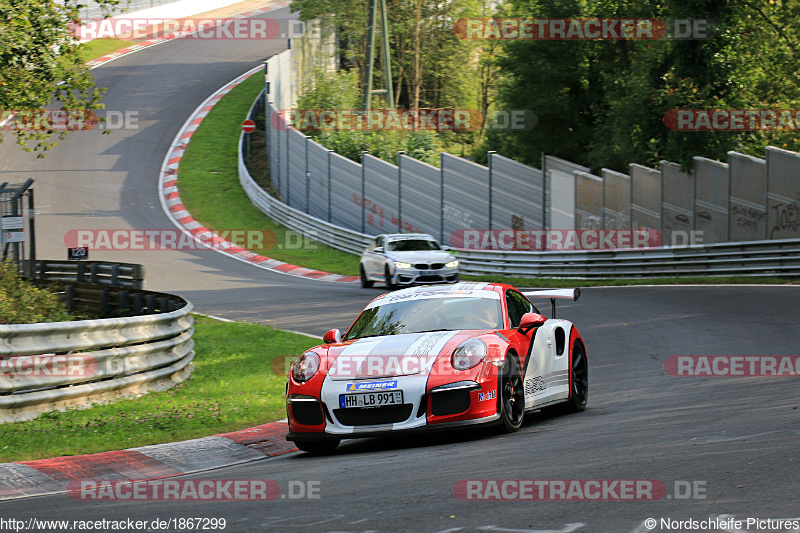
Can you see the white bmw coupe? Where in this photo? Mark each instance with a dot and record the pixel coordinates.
(402, 259)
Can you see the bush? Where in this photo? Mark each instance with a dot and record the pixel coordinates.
(341, 90)
(22, 303)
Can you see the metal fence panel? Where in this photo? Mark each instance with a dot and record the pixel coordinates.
(276, 139)
(345, 192)
(748, 211)
(420, 196)
(560, 192)
(783, 193)
(296, 166)
(561, 199)
(588, 201)
(466, 196)
(677, 204)
(645, 198)
(382, 201)
(318, 176)
(276, 76)
(517, 194)
(616, 200)
(286, 81)
(711, 199)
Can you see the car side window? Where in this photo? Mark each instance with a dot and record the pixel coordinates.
(517, 306)
(378, 243)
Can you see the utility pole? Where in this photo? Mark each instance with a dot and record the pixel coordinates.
(387, 62)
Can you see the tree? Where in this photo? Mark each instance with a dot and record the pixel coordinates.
(602, 103)
(40, 67)
(348, 18)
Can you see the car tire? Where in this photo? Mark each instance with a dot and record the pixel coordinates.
(388, 277)
(511, 395)
(579, 380)
(365, 282)
(317, 447)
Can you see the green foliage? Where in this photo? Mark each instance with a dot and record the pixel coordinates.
(330, 90)
(22, 303)
(40, 61)
(341, 91)
(602, 103)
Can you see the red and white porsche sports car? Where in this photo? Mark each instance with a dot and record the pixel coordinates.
(427, 358)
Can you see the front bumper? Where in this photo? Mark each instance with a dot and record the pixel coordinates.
(413, 275)
(448, 406)
(445, 426)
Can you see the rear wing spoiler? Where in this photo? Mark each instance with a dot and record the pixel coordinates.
(554, 294)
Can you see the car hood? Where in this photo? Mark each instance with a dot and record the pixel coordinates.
(425, 256)
(391, 355)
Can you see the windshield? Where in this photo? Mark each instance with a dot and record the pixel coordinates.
(432, 314)
(412, 245)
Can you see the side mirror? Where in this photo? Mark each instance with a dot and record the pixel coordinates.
(530, 321)
(333, 336)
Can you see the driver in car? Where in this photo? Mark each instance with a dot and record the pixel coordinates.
(481, 316)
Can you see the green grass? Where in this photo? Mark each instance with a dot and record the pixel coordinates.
(208, 182)
(100, 47)
(232, 387)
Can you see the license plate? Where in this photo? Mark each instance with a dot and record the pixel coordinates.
(371, 399)
(427, 272)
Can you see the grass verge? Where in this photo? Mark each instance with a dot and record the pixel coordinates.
(232, 387)
(100, 47)
(208, 182)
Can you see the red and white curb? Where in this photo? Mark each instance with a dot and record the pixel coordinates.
(138, 47)
(52, 476)
(176, 211)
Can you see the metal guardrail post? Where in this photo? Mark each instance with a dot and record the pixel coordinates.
(330, 152)
(400, 191)
(363, 193)
(491, 205)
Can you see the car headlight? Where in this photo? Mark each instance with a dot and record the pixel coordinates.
(400, 264)
(451, 264)
(305, 367)
(468, 354)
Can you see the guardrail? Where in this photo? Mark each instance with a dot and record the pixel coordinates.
(104, 302)
(758, 258)
(59, 365)
(752, 258)
(127, 275)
